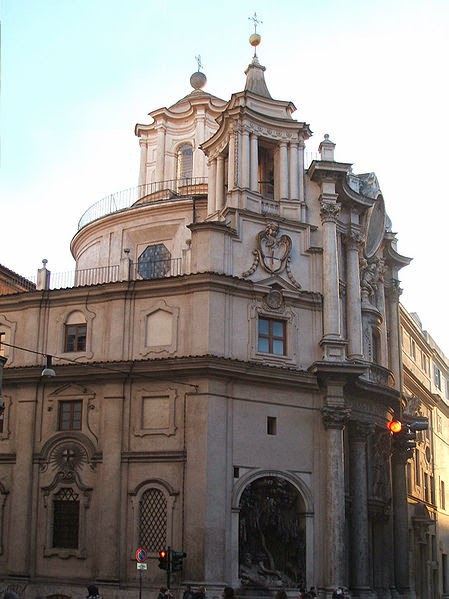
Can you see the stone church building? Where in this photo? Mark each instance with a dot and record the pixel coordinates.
(225, 365)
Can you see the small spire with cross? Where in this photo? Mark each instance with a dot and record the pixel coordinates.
(199, 63)
(254, 39)
(255, 21)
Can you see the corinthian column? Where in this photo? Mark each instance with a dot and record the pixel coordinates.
(212, 177)
(254, 172)
(294, 179)
(232, 174)
(160, 153)
(360, 555)
(245, 158)
(394, 349)
(399, 459)
(353, 306)
(219, 184)
(143, 143)
(283, 171)
(334, 419)
(329, 216)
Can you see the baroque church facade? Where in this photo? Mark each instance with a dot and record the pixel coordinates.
(227, 360)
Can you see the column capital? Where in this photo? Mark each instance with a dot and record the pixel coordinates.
(393, 290)
(353, 239)
(329, 211)
(360, 430)
(335, 416)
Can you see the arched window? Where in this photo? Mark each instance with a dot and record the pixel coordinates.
(185, 162)
(153, 519)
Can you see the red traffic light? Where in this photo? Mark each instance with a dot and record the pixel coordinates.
(162, 554)
(394, 426)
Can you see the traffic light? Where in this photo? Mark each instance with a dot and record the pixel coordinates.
(405, 434)
(394, 426)
(163, 560)
(176, 560)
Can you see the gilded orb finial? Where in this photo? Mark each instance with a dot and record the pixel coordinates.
(255, 39)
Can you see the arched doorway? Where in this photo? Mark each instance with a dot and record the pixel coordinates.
(272, 534)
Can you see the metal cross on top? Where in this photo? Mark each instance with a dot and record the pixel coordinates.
(256, 21)
(198, 60)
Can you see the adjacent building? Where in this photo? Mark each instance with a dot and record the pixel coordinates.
(225, 366)
(426, 376)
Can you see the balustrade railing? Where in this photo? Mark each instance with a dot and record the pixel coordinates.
(133, 197)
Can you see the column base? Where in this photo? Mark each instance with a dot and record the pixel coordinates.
(334, 349)
(364, 593)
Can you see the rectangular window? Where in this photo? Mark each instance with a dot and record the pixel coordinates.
(426, 487)
(442, 495)
(69, 417)
(424, 362)
(75, 337)
(272, 336)
(437, 377)
(417, 469)
(66, 510)
(413, 349)
(2, 339)
(271, 425)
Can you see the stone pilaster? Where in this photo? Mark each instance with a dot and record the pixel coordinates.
(110, 491)
(18, 542)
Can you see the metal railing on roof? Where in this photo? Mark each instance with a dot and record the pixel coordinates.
(133, 197)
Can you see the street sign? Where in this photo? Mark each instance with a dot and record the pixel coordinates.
(141, 555)
(141, 566)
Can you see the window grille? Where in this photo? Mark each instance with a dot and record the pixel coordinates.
(66, 510)
(153, 520)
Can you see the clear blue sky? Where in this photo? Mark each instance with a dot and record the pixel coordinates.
(77, 75)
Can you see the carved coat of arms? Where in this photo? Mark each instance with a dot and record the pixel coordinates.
(273, 250)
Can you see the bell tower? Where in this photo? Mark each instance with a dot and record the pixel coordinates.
(256, 157)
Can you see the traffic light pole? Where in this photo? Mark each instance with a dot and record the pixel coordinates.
(168, 567)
